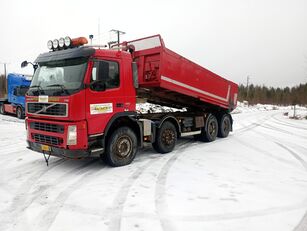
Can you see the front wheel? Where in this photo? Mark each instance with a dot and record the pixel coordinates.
(2, 111)
(121, 147)
(19, 113)
(166, 138)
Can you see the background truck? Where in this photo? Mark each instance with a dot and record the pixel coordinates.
(82, 100)
(12, 94)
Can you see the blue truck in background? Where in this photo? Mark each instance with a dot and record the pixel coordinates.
(12, 94)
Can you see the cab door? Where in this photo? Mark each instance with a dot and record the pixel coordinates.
(104, 94)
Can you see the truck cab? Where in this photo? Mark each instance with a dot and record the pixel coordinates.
(74, 95)
(14, 101)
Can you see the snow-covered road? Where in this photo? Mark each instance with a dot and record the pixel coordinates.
(256, 179)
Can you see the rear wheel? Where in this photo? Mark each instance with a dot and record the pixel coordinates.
(121, 147)
(166, 138)
(19, 113)
(209, 132)
(224, 126)
(2, 111)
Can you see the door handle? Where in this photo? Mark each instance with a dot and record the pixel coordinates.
(119, 104)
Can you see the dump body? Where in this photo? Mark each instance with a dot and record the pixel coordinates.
(169, 79)
(3, 88)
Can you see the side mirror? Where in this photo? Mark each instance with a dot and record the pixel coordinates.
(98, 85)
(24, 64)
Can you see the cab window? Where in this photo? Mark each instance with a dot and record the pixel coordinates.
(107, 72)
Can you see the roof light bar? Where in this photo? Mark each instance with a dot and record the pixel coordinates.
(66, 42)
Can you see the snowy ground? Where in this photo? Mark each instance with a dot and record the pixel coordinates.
(256, 179)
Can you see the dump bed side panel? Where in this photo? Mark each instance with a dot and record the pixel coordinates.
(168, 78)
(183, 76)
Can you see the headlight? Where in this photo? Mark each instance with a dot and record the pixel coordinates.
(72, 135)
(50, 45)
(67, 41)
(61, 42)
(55, 44)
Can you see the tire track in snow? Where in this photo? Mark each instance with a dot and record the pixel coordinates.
(255, 124)
(14, 144)
(262, 151)
(160, 192)
(289, 125)
(50, 212)
(302, 225)
(13, 119)
(278, 140)
(121, 197)
(27, 201)
(285, 123)
(294, 154)
(282, 131)
(223, 216)
(21, 201)
(14, 152)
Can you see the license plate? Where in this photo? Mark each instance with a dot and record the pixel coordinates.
(45, 148)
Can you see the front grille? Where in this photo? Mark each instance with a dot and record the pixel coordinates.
(47, 127)
(39, 138)
(55, 109)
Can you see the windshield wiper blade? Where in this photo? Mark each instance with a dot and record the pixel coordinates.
(59, 85)
(39, 88)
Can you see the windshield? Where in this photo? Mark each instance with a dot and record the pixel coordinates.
(57, 78)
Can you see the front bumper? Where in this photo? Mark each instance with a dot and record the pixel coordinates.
(61, 152)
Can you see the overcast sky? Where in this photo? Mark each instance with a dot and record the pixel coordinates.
(263, 39)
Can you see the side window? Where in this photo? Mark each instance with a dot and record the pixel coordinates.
(15, 91)
(107, 72)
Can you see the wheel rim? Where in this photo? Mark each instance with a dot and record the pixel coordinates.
(123, 147)
(168, 137)
(212, 129)
(18, 112)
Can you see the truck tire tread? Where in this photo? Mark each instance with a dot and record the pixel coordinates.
(209, 132)
(166, 131)
(121, 147)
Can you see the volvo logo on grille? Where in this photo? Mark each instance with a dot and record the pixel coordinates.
(44, 108)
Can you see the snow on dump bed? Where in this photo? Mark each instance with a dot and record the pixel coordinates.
(256, 179)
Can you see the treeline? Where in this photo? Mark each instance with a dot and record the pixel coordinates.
(279, 96)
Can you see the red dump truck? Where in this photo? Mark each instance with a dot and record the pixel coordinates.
(82, 100)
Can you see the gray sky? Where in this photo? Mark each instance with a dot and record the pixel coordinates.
(265, 39)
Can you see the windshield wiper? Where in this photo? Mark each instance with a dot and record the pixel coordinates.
(64, 90)
(39, 88)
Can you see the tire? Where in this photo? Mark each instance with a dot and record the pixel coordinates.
(224, 126)
(2, 111)
(166, 138)
(19, 113)
(121, 148)
(209, 132)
